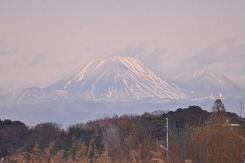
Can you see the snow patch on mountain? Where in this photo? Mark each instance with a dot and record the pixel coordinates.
(33, 95)
(120, 78)
(209, 84)
(113, 79)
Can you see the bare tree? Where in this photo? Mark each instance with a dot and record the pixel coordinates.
(218, 106)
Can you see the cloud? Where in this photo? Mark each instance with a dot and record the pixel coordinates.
(225, 57)
(38, 60)
(226, 51)
(149, 55)
(5, 51)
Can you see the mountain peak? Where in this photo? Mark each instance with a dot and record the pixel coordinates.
(120, 78)
(115, 61)
(206, 73)
(210, 83)
(203, 74)
(213, 77)
(112, 79)
(122, 58)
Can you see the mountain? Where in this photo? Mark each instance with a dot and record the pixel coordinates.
(118, 79)
(206, 83)
(33, 95)
(113, 79)
(117, 85)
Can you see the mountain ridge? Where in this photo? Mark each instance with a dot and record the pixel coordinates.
(126, 79)
(112, 79)
(208, 83)
(118, 85)
(120, 77)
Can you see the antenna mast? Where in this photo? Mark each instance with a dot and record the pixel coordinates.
(167, 142)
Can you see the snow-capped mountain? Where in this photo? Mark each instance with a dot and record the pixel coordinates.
(206, 83)
(118, 78)
(113, 79)
(33, 95)
(117, 85)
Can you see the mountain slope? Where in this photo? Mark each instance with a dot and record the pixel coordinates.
(112, 79)
(117, 85)
(33, 95)
(119, 78)
(205, 83)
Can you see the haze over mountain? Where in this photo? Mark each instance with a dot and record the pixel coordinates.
(118, 78)
(43, 41)
(116, 85)
(209, 84)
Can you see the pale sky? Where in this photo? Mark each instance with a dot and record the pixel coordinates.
(42, 41)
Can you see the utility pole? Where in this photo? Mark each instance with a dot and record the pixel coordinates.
(167, 141)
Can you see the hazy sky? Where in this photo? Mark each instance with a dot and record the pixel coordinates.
(44, 40)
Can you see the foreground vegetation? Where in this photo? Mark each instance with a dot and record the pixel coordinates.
(195, 136)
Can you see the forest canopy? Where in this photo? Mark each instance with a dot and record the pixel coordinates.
(194, 134)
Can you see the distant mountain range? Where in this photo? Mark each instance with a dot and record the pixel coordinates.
(205, 83)
(116, 85)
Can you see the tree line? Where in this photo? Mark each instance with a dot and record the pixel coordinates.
(195, 136)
